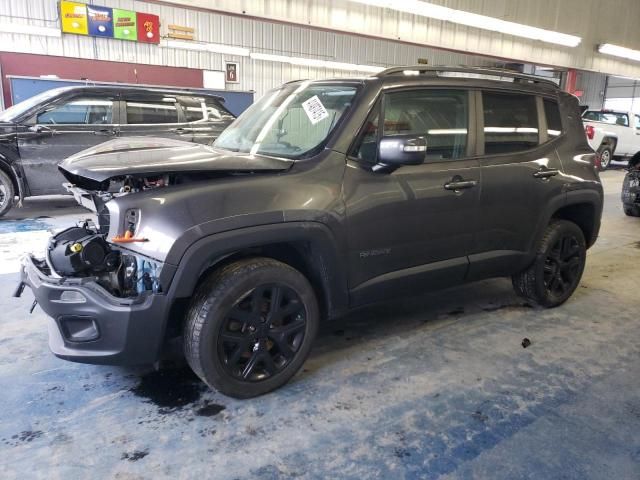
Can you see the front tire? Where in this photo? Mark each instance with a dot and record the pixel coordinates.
(606, 155)
(557, 269)
(250, 327)
(7, 193)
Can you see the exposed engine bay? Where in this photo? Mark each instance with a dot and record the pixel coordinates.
(95, 198)
(83, 251)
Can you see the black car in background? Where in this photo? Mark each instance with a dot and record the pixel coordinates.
(631, 188)
(37, 134)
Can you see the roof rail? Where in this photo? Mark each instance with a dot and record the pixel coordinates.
(494, 72)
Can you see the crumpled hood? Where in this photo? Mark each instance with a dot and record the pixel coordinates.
(158, 156)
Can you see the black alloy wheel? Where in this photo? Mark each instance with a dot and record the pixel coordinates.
(261, 334)
(556, 271)
(250, 326)
(563, 266)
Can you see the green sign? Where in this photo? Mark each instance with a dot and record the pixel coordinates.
(124, 24)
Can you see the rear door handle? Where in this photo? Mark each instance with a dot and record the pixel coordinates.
(546, 173)
(182, 131)
(460, 185)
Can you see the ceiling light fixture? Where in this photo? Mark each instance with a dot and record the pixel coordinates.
(312, 62)
(617, 51)
(29, 30)
(208, 47)
(469, 19)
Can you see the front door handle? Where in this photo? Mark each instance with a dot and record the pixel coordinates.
(546, 173)
(181, 131)
(460, 184)
(104, 131)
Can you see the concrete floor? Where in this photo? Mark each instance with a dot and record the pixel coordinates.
(434, 387)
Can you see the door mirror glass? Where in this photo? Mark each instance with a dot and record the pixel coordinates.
(402, 150)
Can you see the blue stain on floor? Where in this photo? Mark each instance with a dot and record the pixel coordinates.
(23, 225)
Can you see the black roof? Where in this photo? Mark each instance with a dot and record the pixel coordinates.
(456, 76)
(136, 89)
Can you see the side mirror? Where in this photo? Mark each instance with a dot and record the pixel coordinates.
(401, 150)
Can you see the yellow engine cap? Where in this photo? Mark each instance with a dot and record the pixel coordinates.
(76, 248)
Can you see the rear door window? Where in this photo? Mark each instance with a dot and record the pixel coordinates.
(79, 111)
(510, 122)
(151, 112)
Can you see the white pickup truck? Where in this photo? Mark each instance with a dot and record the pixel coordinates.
(613, 134)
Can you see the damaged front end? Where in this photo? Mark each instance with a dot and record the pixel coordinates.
(83, 252)
(106, 288)
(105, 303)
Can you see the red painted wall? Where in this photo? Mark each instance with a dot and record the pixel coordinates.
(24, 64)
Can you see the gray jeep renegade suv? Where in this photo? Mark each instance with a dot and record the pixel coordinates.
(323, 196)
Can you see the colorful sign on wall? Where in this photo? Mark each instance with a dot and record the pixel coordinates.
(100, 21)
(148, 28)
(124, 24)
(73, 16)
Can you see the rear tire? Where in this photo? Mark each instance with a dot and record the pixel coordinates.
(631, 210)
(7, 193)
(605, 157)
(250, 327)
(557, 269)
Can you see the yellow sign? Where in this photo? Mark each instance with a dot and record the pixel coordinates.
(74, 17)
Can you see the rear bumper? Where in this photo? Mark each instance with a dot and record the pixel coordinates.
(89, 325)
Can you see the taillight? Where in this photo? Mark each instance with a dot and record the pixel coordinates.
(597, 161)
(590, 131)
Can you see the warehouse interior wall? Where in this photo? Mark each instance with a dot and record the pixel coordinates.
(28, 65)
(617, 24)
(272, 37)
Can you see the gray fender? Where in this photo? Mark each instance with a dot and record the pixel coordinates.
(325, 258)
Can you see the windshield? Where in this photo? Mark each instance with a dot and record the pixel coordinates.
(18, 109)
(290, 121)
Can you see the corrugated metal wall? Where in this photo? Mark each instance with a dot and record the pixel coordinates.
(593, 88)
(596, 21)
(257, 35)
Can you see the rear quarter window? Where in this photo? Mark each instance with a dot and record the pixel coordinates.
(554, 121)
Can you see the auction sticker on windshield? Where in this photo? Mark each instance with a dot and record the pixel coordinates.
(315, 110)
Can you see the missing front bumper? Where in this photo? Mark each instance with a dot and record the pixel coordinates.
(89, 325)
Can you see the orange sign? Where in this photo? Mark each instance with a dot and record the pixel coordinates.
(73, 16)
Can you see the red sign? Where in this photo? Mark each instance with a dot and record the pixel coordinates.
(148, 28)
